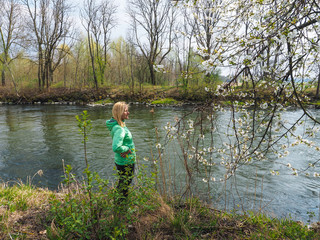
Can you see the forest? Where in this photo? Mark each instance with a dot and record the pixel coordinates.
(47, 44)
(52, 43)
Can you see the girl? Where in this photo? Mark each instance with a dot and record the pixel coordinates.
(123, 147)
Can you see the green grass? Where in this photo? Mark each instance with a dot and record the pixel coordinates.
(165, 101)
(229, 103)
(26, 209)
(194, 220)
(21, 210)
(104, 101)
(59, 84)
(18, 198)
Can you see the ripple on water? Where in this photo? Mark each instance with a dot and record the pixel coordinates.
(39, 137)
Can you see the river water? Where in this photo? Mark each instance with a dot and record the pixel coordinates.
(34, 137)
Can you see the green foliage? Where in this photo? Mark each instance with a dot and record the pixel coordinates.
(229, 103)
(311, 215)
(104, 101)
(58, 84)
(79, 214)
(165, 101)
(100, 216)
(317, 103)
(212, 78)
(31, 83)
(145, 194)
(85, 126)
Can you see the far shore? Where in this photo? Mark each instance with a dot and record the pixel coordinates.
(154, 96)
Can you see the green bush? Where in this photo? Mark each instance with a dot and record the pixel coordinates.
(99, 216)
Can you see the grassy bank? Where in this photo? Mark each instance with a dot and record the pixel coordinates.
(28, 212)
(158, 95)
(102, 95)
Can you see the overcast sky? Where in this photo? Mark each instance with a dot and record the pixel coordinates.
(122, 20)
(121, 16)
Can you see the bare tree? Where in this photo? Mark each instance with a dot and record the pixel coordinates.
(117, 49)
(152, 23)
(98, 21)
(137, 67)
(11, 35)
(50, 26)
(108, 11)
(184, 46)
(206, 18)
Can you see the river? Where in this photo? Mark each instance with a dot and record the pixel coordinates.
(34, 137)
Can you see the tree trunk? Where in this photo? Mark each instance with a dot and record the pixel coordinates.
(3, 78)
(46, 76)
(92, 63)
(131, 71)
(50, 76)
(40, 68)
(318, 87)
(152, 75)
(64, 73)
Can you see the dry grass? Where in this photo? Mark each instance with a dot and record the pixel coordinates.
(147, 221)
(23, 211)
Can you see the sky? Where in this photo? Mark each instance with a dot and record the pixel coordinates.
(122, 18)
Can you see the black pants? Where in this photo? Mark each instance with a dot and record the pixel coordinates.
(125, 174)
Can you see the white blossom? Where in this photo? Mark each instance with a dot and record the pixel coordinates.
(264, 106)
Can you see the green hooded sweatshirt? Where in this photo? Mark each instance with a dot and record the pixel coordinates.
(121, 142)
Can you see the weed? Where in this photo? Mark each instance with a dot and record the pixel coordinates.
(99, 217)
(84, 125)
(311, 215)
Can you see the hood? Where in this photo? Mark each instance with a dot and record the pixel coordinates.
(111, 123)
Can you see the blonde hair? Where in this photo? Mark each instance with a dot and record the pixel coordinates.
(118, 110)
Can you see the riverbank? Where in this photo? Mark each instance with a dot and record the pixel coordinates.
(155, 95)
(89, 96)
(27, 212)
